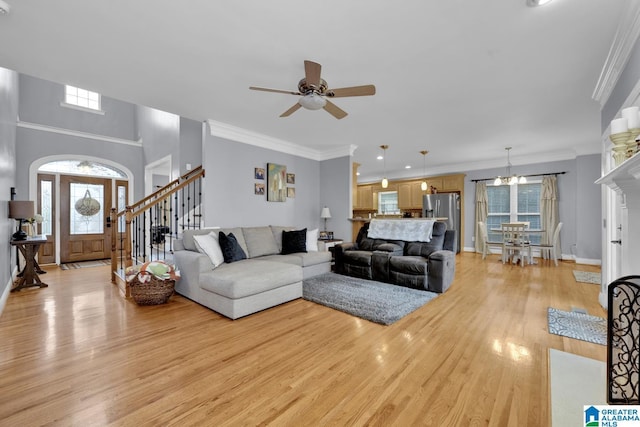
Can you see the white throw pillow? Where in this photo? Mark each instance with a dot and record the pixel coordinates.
(312, 240)
(208, 244)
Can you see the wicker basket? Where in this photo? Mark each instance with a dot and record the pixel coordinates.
(153, 291)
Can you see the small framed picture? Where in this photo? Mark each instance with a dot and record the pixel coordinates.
(259, 173)
(291, 192)
(329, 235)
(259, 189)
(323, 235)
(291, 178)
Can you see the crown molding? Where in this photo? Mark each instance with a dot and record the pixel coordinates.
(237, 134)
(619, 53)
(69, 132)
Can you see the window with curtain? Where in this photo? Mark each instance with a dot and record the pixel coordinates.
(511, 203)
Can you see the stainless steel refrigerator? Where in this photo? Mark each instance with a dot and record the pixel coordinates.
(444, 205)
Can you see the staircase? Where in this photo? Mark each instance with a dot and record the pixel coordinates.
(146, 230)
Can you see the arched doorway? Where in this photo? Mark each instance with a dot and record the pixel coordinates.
(74, 197)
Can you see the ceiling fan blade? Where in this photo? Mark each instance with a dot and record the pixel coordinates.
(365, 90)
(312, 73)
(334, 110)
(274, 90)
(291, 110)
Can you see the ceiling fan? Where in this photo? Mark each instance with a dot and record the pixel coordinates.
(314, 92)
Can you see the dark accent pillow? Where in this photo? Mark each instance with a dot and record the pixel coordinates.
(231, 249)
(294, 241)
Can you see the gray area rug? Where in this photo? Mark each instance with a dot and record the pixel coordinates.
(578, 325)
(378, 302)
(586, 277)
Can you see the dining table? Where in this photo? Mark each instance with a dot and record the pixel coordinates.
(528, 231)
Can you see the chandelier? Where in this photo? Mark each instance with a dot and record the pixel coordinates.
(509, 179)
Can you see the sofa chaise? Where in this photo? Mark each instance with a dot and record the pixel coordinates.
(264, 279)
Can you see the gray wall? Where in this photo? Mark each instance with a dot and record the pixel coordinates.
(589, 208)
(40, 103)
(228, 188)
(160, 134)
(579, 202)
(335, 193)
(9, 91)
(624, 86)
(190, 144)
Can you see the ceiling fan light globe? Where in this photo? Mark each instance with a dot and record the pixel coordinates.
(423, 186)
(385, 182)
(312, 101)
(522, 180)
(497, 181)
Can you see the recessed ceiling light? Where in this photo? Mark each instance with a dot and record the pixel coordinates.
(408, 167)
(534, 3)
(379, 157)
(4, 7)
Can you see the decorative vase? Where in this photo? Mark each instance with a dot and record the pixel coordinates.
(619, 150)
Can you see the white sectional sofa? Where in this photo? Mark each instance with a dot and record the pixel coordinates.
(265, 279)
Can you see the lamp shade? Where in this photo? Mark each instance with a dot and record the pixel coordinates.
(21, 209)
(326, 213)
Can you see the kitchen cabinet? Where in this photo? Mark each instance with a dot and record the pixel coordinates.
(410, 195)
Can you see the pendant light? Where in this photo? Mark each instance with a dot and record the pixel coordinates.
(423, 185)
(509, 179)
(385, 181)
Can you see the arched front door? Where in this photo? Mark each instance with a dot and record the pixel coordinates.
(75, 200)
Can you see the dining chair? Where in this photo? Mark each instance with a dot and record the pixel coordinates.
(515, 243)
(486, 243)
(550, 249)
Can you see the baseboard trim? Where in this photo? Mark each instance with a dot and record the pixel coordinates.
(7, 290)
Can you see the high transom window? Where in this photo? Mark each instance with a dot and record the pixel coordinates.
(82, 98)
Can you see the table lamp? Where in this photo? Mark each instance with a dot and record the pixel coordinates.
(325, 214)
(20, 210)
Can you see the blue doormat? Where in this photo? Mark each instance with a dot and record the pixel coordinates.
(576, 325)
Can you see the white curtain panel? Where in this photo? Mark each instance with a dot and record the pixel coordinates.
(549, 209)
(482, 211)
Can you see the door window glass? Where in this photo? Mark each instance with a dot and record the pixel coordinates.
(87, 209)
(46, 208)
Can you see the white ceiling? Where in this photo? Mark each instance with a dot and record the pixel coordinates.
(462, 79)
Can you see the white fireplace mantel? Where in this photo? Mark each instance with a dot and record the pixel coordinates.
(624, 178)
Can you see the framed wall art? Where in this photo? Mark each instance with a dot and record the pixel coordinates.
(276, 183)
(291, 192)
(258, 173)
(259, 189)
(291, 178)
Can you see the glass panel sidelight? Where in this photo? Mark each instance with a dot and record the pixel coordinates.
(122, 204)
(46, 207)
(86, 217)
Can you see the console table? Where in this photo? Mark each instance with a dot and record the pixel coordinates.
(29, 275)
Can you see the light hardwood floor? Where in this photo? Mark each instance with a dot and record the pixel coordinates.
(76, 353)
